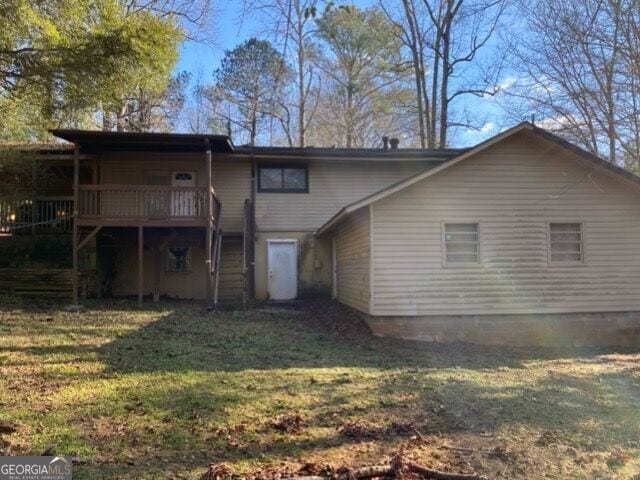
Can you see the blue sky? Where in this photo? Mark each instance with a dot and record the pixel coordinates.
(232, 26)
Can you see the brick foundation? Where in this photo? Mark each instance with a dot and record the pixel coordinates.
(567, 329)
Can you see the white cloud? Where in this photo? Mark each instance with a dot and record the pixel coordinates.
(507, 82)
(487, 127)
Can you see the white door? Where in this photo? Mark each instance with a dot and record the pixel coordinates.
(183, 203)
(282, 269)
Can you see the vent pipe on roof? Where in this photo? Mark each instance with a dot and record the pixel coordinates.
(394, 143)
(385, 143)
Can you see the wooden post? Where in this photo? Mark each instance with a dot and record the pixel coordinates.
(34, 203)
(218, 249)
(140, 265)
(76, 197)
(209, 240)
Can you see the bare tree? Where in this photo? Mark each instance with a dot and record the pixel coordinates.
(193, 15)
(577, 73)
(290, 23)
(196, 109)
(444, 38)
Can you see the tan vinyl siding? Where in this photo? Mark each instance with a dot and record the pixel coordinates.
(130, 168)
(353, 261)
(231, 178)
(513, 191)
(332, 185)
(232, 184)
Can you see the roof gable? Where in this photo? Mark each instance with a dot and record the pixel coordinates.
(525, 126)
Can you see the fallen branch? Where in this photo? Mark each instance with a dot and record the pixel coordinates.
(430, 473)
(358, 473)
(465, 450)
(395, 469)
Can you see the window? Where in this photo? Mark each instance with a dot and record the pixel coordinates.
(178, 259)
(565, 242)
(283, 178)
(158, 178)
(461, 243)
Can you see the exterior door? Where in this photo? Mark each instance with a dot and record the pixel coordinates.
(156, 202)
(183, 203)
(282, 269)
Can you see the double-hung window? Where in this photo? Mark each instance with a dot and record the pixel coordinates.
(566, 243)
(461, 243)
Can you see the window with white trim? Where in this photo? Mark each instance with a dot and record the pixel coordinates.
(565, 242)
(461, 243)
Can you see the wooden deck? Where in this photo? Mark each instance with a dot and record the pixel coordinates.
(142, 205)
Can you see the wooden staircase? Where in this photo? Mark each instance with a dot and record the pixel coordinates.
(233, 263)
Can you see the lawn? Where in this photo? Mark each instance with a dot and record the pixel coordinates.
(163, 392)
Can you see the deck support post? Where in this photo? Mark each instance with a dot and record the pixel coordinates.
(209, 239)
(140, 264)
(74, 254)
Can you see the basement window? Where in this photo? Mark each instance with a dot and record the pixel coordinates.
(461, 243)
(565, 243)
(178, 259)
(283, 178)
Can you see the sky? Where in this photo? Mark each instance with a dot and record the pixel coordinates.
(233, 26)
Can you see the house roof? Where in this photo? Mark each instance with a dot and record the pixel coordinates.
(525, 126)
(314, 153)
(96, 140)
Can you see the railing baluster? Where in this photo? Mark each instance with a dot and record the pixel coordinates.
(143, 202)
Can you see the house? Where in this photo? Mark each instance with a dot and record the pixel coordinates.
(524, 239)
(160, 208)
(521, 239)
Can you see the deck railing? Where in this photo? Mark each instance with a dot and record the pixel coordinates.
(36, 215)
(145, 202)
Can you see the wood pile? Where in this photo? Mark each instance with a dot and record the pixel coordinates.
(49, 283)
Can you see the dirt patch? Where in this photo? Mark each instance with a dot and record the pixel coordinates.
(288, 424)
(361, 431)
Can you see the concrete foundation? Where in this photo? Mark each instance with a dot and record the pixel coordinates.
(566, 329)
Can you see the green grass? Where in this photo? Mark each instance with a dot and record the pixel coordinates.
(165, 391)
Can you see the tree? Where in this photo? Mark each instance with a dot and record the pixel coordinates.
(445, 39)
(578, 71)
(249, 82)
(65, 58)
(150, 109)
(290, 24)
(363, 71)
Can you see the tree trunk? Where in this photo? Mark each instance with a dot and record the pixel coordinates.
(434, 88)
(301, 92)
(418, 74)
(444, 85)
(349, 115)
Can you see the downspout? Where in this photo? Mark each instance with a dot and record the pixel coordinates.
(252, 259)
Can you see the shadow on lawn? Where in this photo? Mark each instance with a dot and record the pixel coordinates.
(591, 411)
(319, 334)
(193, 371)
